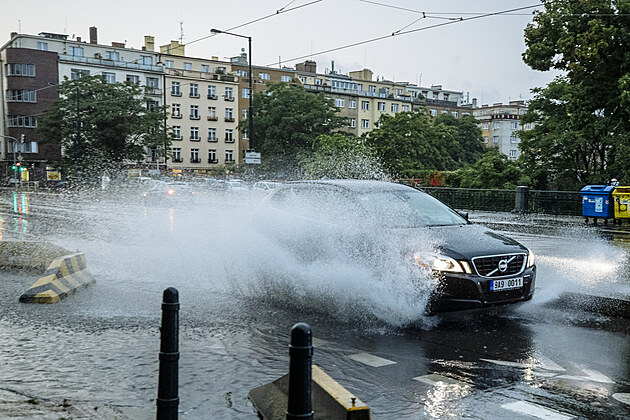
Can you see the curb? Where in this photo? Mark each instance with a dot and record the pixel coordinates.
(603, 305)
(28, 255)
(64, 276)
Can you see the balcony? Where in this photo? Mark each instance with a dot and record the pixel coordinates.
(213, 161)
(154, 91)
(212, 118)
(193, 138)
(227, 119)
(195, 160)
(110, 63)
(195, 117)
(213, 97)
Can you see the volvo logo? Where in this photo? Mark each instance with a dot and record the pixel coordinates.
(503, 266)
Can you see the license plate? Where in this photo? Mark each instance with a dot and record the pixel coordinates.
(506, 284)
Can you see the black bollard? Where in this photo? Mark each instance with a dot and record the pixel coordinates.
(168, 397)
(301, 353)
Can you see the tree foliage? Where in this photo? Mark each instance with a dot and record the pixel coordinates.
(287, 120)
(341, 156)
(100, 125)
(583, 116)
(493, 170)
(412, 141)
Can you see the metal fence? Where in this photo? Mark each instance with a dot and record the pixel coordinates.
(567, 203)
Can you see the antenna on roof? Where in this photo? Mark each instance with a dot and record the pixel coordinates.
(181, 31)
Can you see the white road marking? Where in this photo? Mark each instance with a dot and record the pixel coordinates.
(537, 411)
(435, 379)
(548, 364)
(622, 397)
(371, 360)
(507, 363)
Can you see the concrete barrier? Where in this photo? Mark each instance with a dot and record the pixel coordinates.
(63, 277)
(330, 399)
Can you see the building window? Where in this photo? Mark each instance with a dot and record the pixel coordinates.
(169, 64)
(372, 89)
(176, 111)
(229, 94)
(340, 102)
(205, 68)
(152, 105)
(229, 156)
(514, 138)
(528, 126)
(446, 96)
(112, 55)
(394, 108)
(513, 153)
(264, 76)
(177, 154)
(194, 134)
(177, 132)
(454, 114)
(405, 108)
(495, 125)
(352, 104)
(245, 93)
(514, 125)
(22, 121)
(194, 112)
(194, 90)
(212, 92)
(75, 51)
(380, 106)
(443, 112)
(318, 82)
(194, 156)
(20, 95)
(109, 77)
(485, 139)
(484, 126)
(131, 78)
(78, 73)
(212, 113)
(187, 66)
(495, 139)
(244, 114)
(212, 156)
(153, 83)
(146, 60)
(229, 135)
(241, 73)
(365, 123)
(353, 122)
(433, 112)
(212, 134)
(365, 105)
(175, 89)
(229, 114)
(285, 78)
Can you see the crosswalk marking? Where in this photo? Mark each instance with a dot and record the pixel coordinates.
(371, 360)
(435, 379)
(537, 411)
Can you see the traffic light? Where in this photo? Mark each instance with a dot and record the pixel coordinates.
(14, 167)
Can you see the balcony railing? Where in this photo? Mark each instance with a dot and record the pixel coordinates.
(153, 91)
(110, 63)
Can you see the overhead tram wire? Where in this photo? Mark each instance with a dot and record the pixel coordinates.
(278, 12)
(393, 34)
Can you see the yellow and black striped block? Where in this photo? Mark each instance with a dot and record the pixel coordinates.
(64, 276)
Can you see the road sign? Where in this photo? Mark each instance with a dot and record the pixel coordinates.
(252, 157)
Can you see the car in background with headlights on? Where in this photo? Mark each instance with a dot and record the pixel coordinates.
(475, 266)
(169, 193)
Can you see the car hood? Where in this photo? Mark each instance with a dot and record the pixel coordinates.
(464, 242)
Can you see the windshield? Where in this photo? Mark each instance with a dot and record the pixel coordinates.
(404, 209)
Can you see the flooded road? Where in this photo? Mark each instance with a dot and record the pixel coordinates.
(239, 298)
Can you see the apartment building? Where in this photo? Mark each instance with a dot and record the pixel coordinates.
(203, 105)
(500, 124)
(438, 101)
(261, 77)
(27, 91)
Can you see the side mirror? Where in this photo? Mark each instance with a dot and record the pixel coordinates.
(464, 214)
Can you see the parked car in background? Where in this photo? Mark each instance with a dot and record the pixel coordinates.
(236, 185)
(474, 266)
(168, 192)
(266, 185)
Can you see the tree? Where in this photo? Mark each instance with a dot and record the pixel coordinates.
(341, 156)
(583, 116)
(287, 120)
(493, 170)
(100, 125)
(411, 141)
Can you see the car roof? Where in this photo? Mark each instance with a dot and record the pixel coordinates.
(356, 185)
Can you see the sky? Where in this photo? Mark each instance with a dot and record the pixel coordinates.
(481, 57)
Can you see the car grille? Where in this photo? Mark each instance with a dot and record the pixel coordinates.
(489, 266)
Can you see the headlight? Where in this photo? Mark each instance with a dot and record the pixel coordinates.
(439, 263)
(530, 258)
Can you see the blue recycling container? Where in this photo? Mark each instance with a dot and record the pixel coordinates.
(597, 201)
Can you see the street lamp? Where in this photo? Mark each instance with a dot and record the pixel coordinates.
(250, 113)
